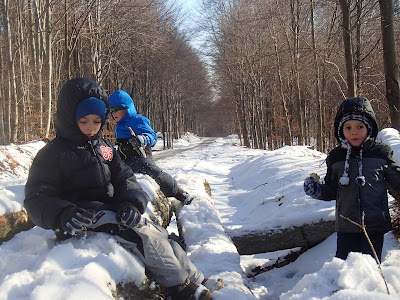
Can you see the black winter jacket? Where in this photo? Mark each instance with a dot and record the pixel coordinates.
(352, 200)
(74, 169)
(378, 167)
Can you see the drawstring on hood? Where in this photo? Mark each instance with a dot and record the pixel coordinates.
(358, 109)
(344, 180)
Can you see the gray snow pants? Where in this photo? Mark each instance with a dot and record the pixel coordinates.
(164, 258)
(146, 165)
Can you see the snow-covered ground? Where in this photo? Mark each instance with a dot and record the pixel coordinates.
(251, 190)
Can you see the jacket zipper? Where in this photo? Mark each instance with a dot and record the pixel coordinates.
(100, 164)
(360, 211)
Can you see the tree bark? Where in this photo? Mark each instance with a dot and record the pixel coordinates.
(390, 61)
(348, 52)
(288, 139)
(11, 74)
(49, 68)
(296, 55)
(320, 142)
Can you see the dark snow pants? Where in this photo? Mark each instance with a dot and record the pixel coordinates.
(146, 165)
(357, 242)
(164, 258)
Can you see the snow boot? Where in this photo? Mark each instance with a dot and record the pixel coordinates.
(184, 197)
(192, 291)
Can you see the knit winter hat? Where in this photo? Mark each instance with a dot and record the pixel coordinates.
(360, 180)
(357, 117)
(90, 106)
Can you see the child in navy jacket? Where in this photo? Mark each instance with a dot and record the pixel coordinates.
(78, 182)
(357, 173)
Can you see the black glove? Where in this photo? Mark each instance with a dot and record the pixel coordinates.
(142, 139)
(138, 141)
(128, 215)
(74, 219)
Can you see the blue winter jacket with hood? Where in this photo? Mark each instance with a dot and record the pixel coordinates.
(138, 123)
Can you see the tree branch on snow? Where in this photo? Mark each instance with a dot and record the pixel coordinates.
(364, 229)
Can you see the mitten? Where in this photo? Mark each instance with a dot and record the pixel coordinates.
(128, 215)
(312, 187)
(74, 219)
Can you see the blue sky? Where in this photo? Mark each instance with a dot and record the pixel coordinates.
(190, 11)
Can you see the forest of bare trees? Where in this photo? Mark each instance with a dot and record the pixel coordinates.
(123, 44)
(283, 67)
(276, 70)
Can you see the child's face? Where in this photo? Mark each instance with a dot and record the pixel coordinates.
(355, 132)
(119, 114)
(90, 125)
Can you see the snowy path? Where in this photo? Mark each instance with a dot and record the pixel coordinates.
(202, 228)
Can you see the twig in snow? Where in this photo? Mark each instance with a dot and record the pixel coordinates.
(362, 226)
(260, 185)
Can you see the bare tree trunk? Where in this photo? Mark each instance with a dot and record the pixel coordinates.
(49, 68)
(35, 59)
(348, 52)
(358, 47)
(288, 139)
(11, 74)
(23, 82)
(94, 26)
(320, 141)
(2, 132)
(296, 32)
(390, 61)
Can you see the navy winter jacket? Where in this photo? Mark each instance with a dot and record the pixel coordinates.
(379, 169)
(73, 169)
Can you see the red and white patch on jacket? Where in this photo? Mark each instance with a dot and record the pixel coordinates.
(107, 153)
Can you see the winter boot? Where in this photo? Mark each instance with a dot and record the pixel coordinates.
(213, 283)
(184, 197)
(192, 291)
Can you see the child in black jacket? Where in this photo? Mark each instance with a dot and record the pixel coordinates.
(78, 182)
(357, 173)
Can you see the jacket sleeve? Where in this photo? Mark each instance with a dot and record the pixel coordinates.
(41, 200)
(126, 188)
(144, 128)
(328, 189)
(392, 171)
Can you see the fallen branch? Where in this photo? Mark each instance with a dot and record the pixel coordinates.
(260, 185)
(363, 228)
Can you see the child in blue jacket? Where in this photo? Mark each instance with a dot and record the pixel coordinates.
(357, 173)
(135, 139)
